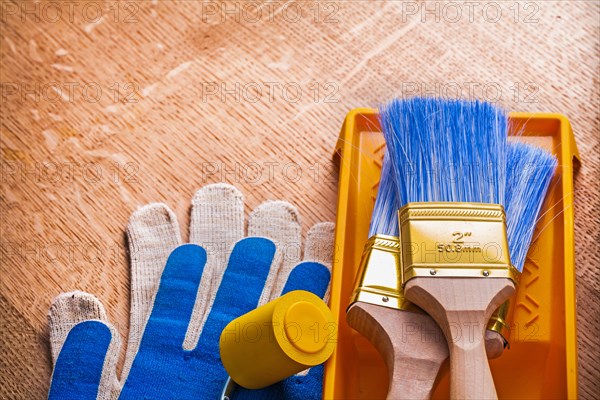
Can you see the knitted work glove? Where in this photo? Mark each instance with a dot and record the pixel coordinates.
(182, 296)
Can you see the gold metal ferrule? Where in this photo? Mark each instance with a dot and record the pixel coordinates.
(446, 239)
(498, 322)
(379, 275)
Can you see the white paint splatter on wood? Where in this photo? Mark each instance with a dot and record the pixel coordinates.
(149, 89)
(36, 114)
(99, 154)
(55, 117)
(63, 67)
(124, 193)
(179, 69)
(11, 45)
(92, 25)
(63, 94)
(33, 51)
(38, 227)
(283, 64)
(51, 140)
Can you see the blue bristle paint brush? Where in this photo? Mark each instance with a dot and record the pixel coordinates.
(413, 367)
(449, 162)
(408, 339)
(384, 220)
(529, 173)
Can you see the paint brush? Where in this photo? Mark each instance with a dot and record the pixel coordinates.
(449, 162)
(529, 173)
(529, 170)
(408, 339)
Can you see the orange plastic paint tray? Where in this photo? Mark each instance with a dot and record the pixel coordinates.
(542, 360)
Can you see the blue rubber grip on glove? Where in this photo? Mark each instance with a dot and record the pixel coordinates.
(79, 365)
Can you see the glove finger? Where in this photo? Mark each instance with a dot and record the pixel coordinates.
(278, 221)
(153, 233)
(70, 309)
(240, 288)
(217, 217)
(319, 247)
(66, 311)
(310, 276)
(319, 243)
(80, 366)
(168, 323)
(216, 223)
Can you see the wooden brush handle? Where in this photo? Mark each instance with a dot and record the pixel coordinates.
(411, 344)
(462, 308)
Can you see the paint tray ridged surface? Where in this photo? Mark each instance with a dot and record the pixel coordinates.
(542, 360)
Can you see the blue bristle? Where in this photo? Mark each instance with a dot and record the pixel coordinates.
(446, 150)
(529, 172)
(385, 213)
(455, 150)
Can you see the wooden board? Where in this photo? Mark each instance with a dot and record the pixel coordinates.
(107, 106)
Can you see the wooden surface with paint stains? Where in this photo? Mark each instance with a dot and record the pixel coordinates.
(107, 106)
